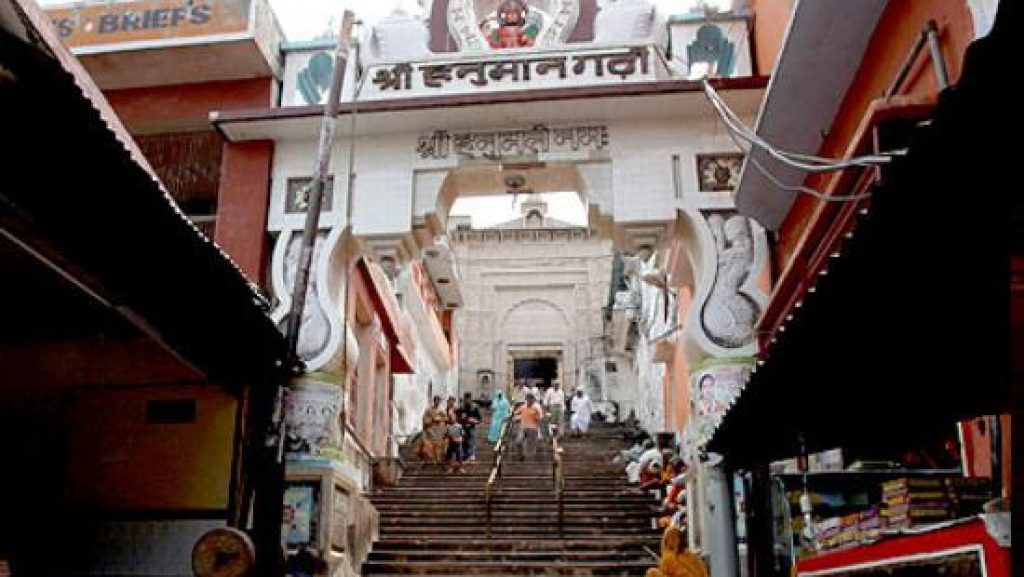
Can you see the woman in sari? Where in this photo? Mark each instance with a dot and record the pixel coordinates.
(499, 412)
(432, 441)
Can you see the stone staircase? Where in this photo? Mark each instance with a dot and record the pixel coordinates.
(435, 524)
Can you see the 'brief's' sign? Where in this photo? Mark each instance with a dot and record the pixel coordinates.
(159, 21)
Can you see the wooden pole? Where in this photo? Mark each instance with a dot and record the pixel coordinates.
(268, 402)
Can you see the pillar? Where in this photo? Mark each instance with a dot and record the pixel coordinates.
(242, 204)
(720, 522)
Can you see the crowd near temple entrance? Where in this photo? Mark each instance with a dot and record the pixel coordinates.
(509, 287)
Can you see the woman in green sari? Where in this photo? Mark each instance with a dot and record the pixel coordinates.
(499, 412)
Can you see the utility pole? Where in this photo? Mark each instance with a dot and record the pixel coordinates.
(268, 405)
(319, 182)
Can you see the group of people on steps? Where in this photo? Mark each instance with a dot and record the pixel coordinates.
(449, 432)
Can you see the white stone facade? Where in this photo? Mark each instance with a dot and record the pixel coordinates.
(529, 291)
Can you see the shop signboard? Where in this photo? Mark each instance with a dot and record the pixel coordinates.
(149, 23)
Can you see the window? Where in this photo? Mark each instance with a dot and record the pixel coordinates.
(534, 219)
(171, 412)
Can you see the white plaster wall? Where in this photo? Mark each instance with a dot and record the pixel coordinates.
(296, 158)
(633, 182)
(382, 199)
(412, 392)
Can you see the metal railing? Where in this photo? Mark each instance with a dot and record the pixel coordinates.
(499, 456)
(557, 472)
(558, 475)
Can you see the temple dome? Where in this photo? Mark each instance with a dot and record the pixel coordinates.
(621, 21)
(399, 37)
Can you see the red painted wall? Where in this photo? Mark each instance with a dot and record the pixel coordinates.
(897, 30)
(242, 204)
(186, 106)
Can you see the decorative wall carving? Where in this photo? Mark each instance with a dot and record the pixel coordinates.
(712, 47)
(296, 198)
(315, 78)
(315, 329)
(719, 172)
(729, 315)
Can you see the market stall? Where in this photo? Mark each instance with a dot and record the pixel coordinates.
(962, 548)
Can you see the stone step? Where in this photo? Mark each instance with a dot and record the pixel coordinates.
(438, 494)
(471, 507)
(540, 484)
(569, 523)
(434, 523)
(636, 566)
(428, 508)
(589, 543)
(516, 531)
(507, 556)
(507, 515)
(481, 475)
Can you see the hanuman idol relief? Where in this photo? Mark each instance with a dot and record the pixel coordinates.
(516, 26)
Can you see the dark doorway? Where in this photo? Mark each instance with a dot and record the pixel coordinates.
(540, 371)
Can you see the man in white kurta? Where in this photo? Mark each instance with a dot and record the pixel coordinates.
(581, 411)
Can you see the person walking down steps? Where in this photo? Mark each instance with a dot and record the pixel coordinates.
(469, 418)
(581, 411)
(554, 405)
(499, 412)
(529, 417)
(456, 458)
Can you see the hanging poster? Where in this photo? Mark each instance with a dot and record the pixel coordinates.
(716, 387)
(299, 517)
(313, 411)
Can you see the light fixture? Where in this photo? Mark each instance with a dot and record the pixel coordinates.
(823, 272)
(848, 235)
(863, 211)
(812, 289)
(835, 254)
(789, 317)
(799, 304)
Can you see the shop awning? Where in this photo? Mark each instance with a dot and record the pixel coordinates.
(76, 190)
(908, 330)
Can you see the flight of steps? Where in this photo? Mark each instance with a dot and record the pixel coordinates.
(435, 523)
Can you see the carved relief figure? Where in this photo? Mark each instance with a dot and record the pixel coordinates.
(313, 331)
(513, 26)
(729, 315)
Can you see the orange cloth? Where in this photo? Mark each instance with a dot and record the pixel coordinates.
(530, 416)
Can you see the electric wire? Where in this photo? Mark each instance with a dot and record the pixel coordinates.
(735, 133)
(733, 120)
(811, 164)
